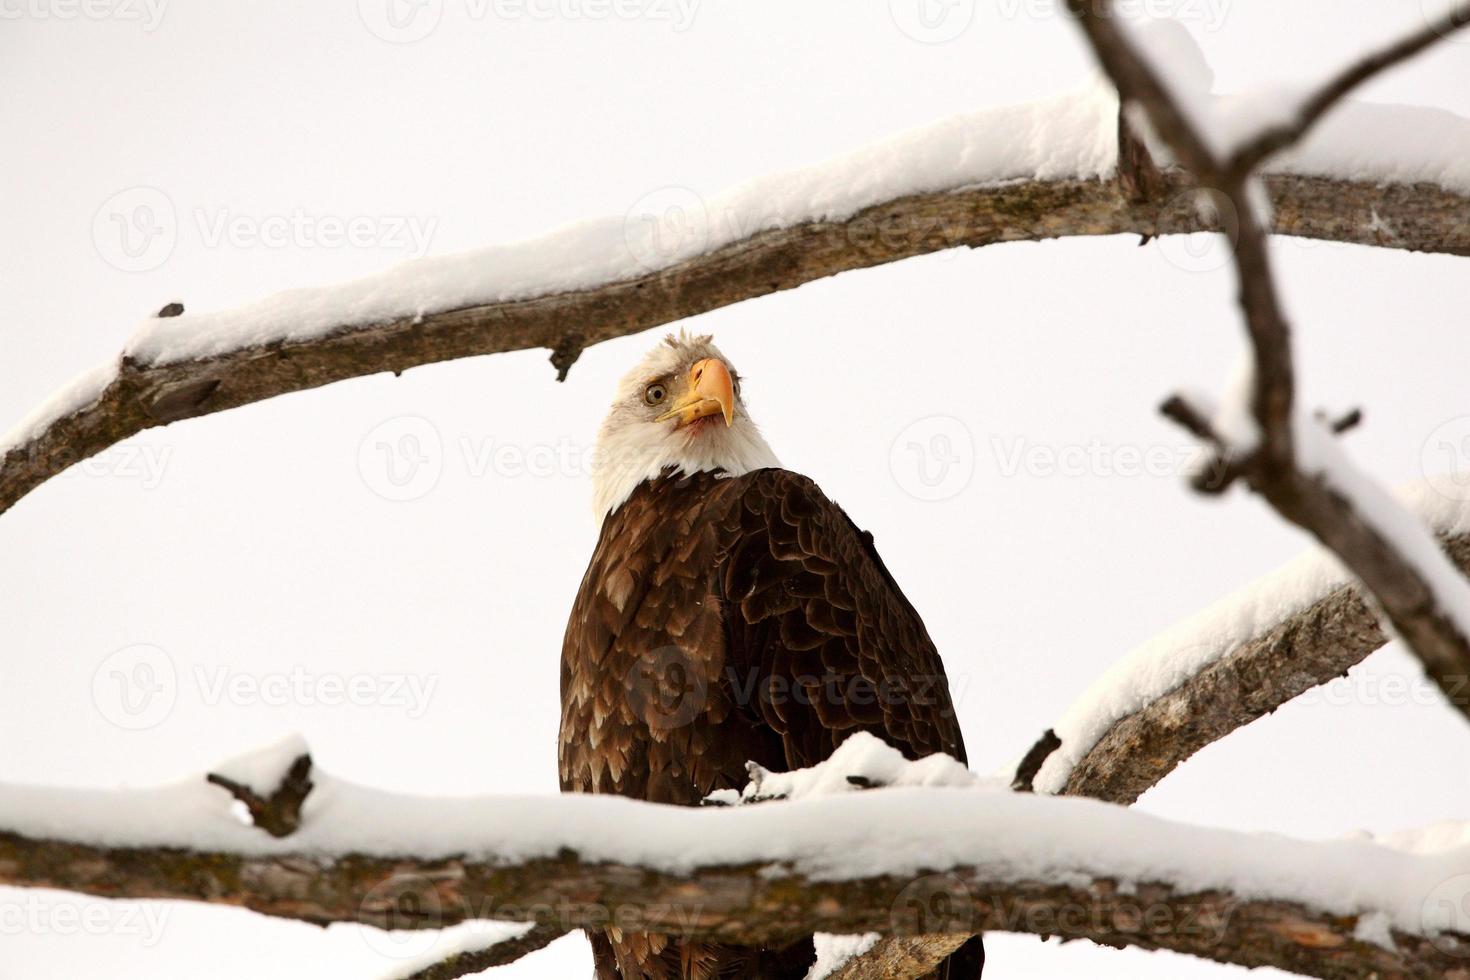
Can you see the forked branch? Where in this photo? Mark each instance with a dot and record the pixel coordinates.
(1416, 587)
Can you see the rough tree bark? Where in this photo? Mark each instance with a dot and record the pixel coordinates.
(1292, 657)
(745, 903)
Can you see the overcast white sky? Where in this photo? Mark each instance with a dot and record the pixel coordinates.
(260, 551)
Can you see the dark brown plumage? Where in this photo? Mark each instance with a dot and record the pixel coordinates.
(725, 620)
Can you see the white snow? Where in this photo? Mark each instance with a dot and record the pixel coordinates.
(1235, 418)
(1320, 453)
(1447, 835)
(1355, 140)
(833, 951)
(879, 765)
(471, 937)
(871, 760)
(77, 394)
(1374, 928)
(902, 830)
(1167, 660)
(1373, 142)
(263, 769)
(1180, 64)
(1069, 135)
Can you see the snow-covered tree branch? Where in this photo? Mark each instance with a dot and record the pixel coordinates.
(931, 849)
(613, 277)
(1231, 664)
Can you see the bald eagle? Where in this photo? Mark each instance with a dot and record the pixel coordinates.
(730, 613)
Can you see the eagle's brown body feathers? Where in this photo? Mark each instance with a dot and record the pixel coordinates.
(725, 620)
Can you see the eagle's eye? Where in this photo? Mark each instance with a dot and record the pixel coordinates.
(654, 393)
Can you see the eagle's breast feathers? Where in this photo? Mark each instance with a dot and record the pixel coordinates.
(732, 619)
(725, 620)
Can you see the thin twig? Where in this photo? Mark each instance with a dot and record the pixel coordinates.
(1137, 81)
(1277, 138)
(278, 814)
(501, 953)
(1031, 764)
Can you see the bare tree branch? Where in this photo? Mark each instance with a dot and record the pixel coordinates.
(1424, 218)
(1248, 157)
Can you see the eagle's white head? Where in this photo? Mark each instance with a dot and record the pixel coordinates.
(679, 409)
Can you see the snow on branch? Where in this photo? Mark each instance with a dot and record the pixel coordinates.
(1261, 435)
(965, 181)
(1281, 135)
(888, 957)
(478, 953)
(1284, 634)
(929, 850)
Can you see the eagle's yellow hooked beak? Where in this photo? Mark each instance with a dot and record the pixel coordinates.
(711, 391)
